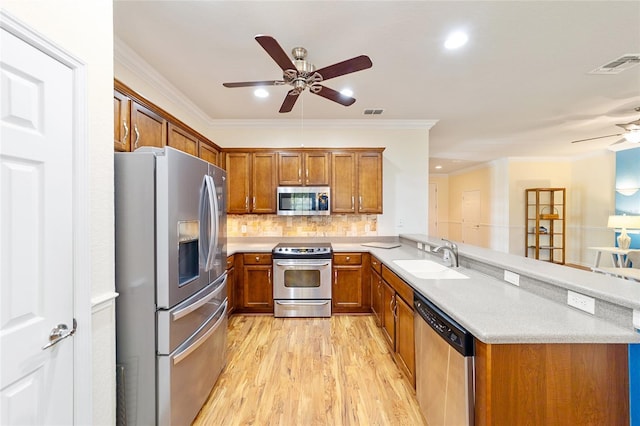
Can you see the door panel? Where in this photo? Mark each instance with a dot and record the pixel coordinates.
(179, 181)
(36, 195)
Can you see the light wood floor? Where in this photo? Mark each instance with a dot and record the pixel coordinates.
(300, 371)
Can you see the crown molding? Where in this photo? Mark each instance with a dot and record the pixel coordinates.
(129, 59)
(323, 124)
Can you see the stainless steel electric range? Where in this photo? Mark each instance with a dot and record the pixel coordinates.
(302, 280)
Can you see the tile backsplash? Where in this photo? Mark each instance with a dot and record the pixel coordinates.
(302, 226)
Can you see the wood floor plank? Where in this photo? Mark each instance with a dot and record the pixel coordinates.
(309, 371)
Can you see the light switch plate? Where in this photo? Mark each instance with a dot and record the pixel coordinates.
(512, 277)
(419, 246)
(582, 302)
(636, 319)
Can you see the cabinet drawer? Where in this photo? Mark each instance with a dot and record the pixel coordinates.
(230, 262)
(257, 258)
(403, 289)
(376, 265)
(347, 259)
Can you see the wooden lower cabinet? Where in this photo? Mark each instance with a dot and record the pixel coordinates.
(397, 322)
(376, 295)
(256, 286)
(350, 292)
(231, 284)
(405, 339)
(551, 384)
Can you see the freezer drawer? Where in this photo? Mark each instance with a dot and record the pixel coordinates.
(179, 323)
(186, 376)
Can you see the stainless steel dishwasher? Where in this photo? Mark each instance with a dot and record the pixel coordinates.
(444, 366)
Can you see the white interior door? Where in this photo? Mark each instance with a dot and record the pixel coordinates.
(36, 235)
(471, 218)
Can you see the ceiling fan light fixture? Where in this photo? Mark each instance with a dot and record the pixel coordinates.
(346, 92)
(261, 93)
(632, 136)
(456, 40)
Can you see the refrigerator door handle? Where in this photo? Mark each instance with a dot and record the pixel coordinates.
(207, 220)
(213, 199)
(200, 303)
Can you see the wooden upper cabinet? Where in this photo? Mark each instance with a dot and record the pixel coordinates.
(343, 182)
(121, 121)
(370, 182)
(181, 139)
(303, 168)
(238, 167)
(209, 153)
(251, 182)
(290, 168)
(264, 183)
(316, 167)
(147, 127)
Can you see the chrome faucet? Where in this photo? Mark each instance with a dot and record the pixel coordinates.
(452, 248)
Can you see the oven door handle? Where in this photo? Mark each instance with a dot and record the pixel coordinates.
(326, 302)
(297, 263)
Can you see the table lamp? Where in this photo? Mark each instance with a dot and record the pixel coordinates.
(623, 222)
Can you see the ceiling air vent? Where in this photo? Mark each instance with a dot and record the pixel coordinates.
(373, 111)
(618, 65)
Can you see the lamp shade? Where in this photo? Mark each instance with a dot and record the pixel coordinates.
(633, 136)
(624, 222)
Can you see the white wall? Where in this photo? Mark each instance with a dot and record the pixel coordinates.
(85, 30)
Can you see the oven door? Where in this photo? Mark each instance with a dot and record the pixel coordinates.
(298, 279)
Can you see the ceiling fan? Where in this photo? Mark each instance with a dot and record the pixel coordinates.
(631, 133)
(301, 74)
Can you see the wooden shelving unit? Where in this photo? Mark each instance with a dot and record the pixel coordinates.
(545, 224)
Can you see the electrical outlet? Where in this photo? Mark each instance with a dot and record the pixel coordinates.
(512, 277)
(636, 319)
(419, 246)
(427, 247)
(582, 302)
(243, 229)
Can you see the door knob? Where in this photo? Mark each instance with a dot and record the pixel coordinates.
(59, 333)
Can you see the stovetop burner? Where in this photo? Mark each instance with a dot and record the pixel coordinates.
(302, 251)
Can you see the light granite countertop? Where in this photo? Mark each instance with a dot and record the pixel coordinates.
(492, 310)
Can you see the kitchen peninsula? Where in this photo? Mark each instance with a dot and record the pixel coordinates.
(528, 341)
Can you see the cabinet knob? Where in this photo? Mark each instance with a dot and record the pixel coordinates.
(348, 258)
(257, 258)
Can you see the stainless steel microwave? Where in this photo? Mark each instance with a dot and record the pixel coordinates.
(304, 200)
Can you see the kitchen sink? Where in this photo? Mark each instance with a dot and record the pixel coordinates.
(429, 270)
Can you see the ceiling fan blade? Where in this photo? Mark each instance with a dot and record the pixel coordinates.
(332, 95)
(598, 137)
(289, 101)
(271, 46)
(254, 83)
(358, 63)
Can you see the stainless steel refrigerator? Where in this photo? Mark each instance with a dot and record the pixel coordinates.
(171, 312)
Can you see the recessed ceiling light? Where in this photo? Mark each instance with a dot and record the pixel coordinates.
(261, 93)
(346, 92)
(438, 167)
(456, 39)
